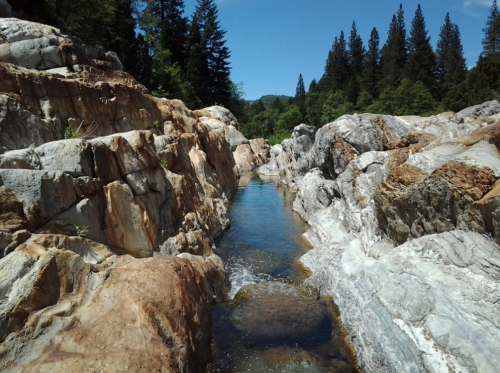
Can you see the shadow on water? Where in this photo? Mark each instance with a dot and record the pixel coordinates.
(272, 323)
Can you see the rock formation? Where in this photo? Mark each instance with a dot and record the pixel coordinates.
(95, 174)
(403, 214)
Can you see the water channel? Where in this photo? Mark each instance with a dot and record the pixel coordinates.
(271, 322)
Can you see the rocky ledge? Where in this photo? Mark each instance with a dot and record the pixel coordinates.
(109, 199)
(404, 224)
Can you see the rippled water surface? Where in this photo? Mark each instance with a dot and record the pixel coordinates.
(271, 322)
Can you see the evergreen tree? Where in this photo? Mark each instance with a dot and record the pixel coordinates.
(143, 70)
(165, 25)
(208, 65)
(278, 105)
(300, 95)
(421, 64)
(356, 60)
(491, 41)
(356, 51)
(450, 62)
(120, 36)
(325, 83)
(340, 71)
(394, 53)
(371, 73)
(313, 104)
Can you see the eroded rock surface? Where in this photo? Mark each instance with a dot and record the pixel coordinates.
(61, 314)
(109, 200)
(403, 223)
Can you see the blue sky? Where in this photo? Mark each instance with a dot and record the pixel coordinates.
(272, 41)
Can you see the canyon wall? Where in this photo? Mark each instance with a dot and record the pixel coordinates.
(109, 200)
(404, 224)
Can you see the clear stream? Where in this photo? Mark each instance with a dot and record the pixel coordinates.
(271, 323)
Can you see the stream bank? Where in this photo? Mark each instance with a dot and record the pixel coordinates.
(272, 323)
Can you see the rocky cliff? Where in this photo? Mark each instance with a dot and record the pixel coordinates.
(109, 199)
(403, 214)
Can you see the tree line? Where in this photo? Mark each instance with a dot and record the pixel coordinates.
(405, 76)
(172, 55)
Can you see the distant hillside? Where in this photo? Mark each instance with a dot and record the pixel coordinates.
(269, 99)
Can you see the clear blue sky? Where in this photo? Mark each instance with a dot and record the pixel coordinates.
(272, 41)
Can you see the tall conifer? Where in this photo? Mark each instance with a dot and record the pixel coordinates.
(356, 54)
(371, 73)
(491, 41)
(340, 68)
(208, 66)
(394, 53)
(300, 95)
(166, 27)
(421, 64)
(450, 62)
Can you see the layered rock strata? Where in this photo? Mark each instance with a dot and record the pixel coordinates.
(403, 216)
(109, 199)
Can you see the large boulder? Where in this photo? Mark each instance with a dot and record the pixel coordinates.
(36, 46)
(394, 205)
(87, 315)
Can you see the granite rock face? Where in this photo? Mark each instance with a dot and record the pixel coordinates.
(96, 178)
(404, 223)
(62, 314)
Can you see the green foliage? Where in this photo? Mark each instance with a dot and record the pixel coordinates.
(70, 133)
(394, 53)
(491, 41)
(421, 64)
(81, 230)
(278, 138)
(261, 125)
(365, 99)
(288, 120)
(164, 163)
(408, 99)
(471, 91)
(268, 100)
(208, 63)
(300, 95)
(371, 73)
(335, 106)
(450, 62)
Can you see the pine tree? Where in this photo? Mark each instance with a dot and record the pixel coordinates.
(300, 95)
(325, 83)
(340, 72)
(356, 55)
(143, 70)
(163, 22)
(208, 65)
(313, 105)
(450, 62)
(394, 53)
(120, 36)
(356, 52)
(491, 41)
(421, 64)
(371, 73)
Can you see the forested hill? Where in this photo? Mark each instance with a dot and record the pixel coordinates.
(173, 55)
(404, 76)
(270, 99)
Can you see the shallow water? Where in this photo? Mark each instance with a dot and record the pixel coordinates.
(272, 323)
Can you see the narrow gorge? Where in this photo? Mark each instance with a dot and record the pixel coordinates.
(119, 254)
